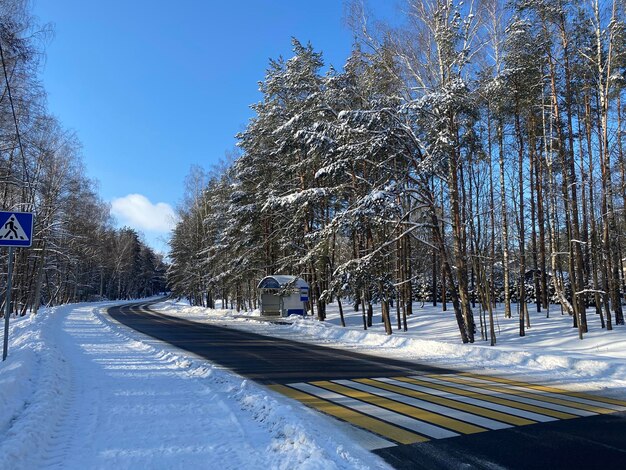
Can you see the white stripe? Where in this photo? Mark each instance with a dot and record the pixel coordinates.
(366, 439)
(473, 401)
(376, 412)
(582, 401)
(517, 398)
(442, 410)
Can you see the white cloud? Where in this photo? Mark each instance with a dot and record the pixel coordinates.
(136, 211)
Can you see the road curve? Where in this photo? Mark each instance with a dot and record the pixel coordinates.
(265, 359)
(419, 416)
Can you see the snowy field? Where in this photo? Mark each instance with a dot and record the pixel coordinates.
(550, 352)
(79, 391)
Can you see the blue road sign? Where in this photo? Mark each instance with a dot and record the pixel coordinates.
(16, 229)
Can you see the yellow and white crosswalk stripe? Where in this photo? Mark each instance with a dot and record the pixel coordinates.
(353, 417)
(342, 396)
(427, 395)
(511, 399)
(525, 396)
(545, 391)
(477, 423)
(370, 395)
(473, 398)
(408, 410)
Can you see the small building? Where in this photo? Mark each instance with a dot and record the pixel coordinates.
(283, 295)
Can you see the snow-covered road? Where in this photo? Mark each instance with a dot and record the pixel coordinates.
(79, 391)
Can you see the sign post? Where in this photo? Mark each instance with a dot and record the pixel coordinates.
(16, 229)
(7, 307)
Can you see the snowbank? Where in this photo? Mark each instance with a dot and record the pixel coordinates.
(81, 391)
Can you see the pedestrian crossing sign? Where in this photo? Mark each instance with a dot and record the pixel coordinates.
(16, 229)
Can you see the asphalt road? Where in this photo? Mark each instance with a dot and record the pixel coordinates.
(417, 416)
(264, 359)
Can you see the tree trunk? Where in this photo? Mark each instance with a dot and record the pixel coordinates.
(505, 229)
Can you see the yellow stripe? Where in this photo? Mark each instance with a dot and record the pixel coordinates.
(403, 408)
(500, 401)
(534, 396)
(477, 410)
(363, 421)
(545, 388)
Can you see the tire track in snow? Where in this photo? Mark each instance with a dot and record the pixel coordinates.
(30, 436)
(59, 448)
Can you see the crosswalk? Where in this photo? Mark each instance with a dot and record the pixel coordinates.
(388, 411)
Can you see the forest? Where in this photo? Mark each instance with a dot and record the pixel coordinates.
(469, 155)
(77, 254)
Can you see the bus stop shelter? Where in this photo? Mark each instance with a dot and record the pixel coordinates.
(282, 295)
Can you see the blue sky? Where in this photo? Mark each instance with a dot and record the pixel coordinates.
(152, 87)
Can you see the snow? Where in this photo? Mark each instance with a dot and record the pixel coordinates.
(81, 391)
(295, 199)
